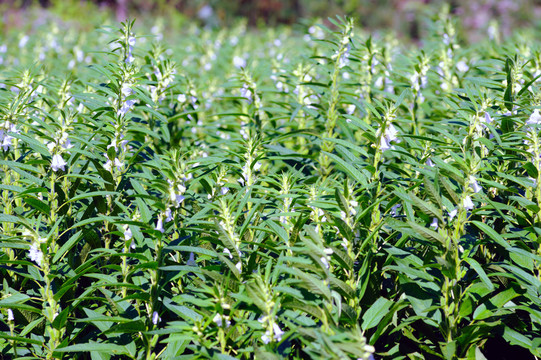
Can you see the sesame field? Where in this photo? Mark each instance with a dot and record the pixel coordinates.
(305, 192)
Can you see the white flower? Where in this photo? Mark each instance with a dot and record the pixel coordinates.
(224, 190)
(131, 41)
(462, 66)
(277, 332)
(325, 262)
(535, 118)
(418, 81)
(239, 62)
(353, 204)
(67, 144)
(10, 315)
(205, 12)
(474, 184)
(35, 254)
(429, 162)
(159, 225)
(155, 318)
(218, 319)
(109, 164)
(178, 199)
(6, 140)
(168, 215)
(79, 54)
(50, 145)
(384, 144)
(274, 335)
(394, 210)
(452, 214)
(127, 232)
(239, 266)
(391, 132)
(388, 136)
(126, 106)
(434, 223)
(446, 39)
(492, 32)
(58, 163)
(181, 98)
(126, 89)
(467, 203)
(118, 164)
(130, 58)
(23, 41)
(191, 260)
(486, 120)
(266, 338)
(246, 93)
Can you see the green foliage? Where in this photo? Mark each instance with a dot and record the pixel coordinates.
(238, 195)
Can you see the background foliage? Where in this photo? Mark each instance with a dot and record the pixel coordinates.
(317, 193)
(406, 17)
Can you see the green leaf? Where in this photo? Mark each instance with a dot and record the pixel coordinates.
(479, 355)
(492, 306)
(93, 346)
(38, 205)
(8, 218)
(426, 233)
(448, 350)
(349, 169)
(491, 233)
(67, 246)
(479, 269)
(516, 338)
(375, 313)
(92, 194)
(20, 339)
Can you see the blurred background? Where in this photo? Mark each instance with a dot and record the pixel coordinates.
(403, 16)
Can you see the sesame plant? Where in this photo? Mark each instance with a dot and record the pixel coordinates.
(229, 194)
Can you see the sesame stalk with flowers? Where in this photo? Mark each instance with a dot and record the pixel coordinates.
(170, 190)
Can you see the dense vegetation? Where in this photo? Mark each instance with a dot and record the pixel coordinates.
(235, 194)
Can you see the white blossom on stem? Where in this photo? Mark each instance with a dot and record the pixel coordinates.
(58, 163)
(467, 203)
(535, 118)
(155, 318)
(434, 223)
(191, 260)
(219, 320)
(452, 214)
(388, 136)
(35, 254)
(474, 184)
(159, 225)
